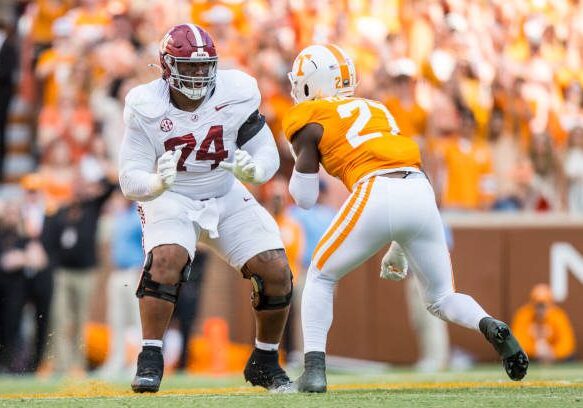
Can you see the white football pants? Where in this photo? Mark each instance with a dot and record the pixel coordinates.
(381, 210)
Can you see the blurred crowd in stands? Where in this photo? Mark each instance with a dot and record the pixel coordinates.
(492, 90)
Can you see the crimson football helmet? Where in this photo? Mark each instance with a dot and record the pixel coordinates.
(189, 60)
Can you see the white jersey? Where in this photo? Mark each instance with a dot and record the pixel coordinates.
(208, 135)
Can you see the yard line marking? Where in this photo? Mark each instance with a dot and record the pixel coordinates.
(106, 390)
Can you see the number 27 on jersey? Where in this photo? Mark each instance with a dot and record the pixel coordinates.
(354, 134)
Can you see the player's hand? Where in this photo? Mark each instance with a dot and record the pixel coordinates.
(167, 166)
(543, 351)
(394, 265)
(244, 168)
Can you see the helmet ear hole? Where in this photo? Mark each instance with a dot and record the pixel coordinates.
(306, 90)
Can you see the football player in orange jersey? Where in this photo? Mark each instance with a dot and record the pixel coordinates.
(358, 141)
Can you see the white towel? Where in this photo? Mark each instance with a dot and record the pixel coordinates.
(206, 215)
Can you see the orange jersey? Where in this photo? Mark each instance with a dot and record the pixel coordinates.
(360, 137)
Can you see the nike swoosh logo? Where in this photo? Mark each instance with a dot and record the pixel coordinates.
(219, 107)
(247, 199)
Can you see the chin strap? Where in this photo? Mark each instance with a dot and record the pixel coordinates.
(156, 66)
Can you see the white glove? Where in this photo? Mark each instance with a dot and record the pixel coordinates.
(244, 168)
(394, 265)
(167, 167)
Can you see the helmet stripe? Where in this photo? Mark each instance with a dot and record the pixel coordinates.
(345, 75)
(197, 36)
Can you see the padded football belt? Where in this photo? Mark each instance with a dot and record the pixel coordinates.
(261, 301)
(149, 287)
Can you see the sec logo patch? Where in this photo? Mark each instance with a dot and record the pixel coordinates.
(166, 125)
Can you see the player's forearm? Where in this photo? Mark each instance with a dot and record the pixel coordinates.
(139, 185)
(304, 188)
(265, 155)
(137, 163)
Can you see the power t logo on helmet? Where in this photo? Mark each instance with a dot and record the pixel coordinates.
(321, 71)
(189, 60)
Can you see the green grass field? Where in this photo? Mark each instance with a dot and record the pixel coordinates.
(486, 386)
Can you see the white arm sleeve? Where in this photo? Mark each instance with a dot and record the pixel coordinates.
(137, 167)
(265, 155)
(304, 188)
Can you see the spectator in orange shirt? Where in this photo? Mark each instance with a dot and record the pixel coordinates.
(543, 328)
(402, 104)
(56, 65)
(44, 14)
(467, 167)
(90, 20)
(54, 177)
(70, 120)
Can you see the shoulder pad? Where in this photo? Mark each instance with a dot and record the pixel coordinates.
(237, 87)
(145, 100)
(299, 116)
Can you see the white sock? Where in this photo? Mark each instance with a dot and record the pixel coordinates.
(152, 343)
(460, 309)
(317, 311)
(266, 346)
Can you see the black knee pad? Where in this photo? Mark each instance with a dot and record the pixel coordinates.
(149, 287)
(261, 301)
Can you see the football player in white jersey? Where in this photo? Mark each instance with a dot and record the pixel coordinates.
(191, 137)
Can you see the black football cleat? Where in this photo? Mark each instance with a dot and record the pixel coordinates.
(150, 370)
(263, 369)
(513, 357)
(313, 379)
